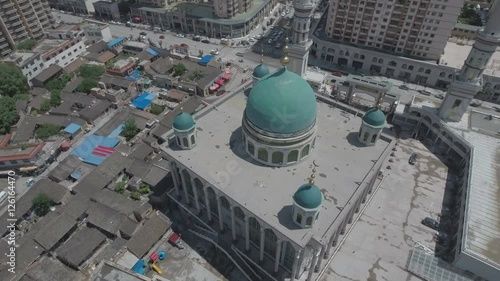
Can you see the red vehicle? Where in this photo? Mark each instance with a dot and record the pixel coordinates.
(336, 73)
(220, 93)
(175, 239)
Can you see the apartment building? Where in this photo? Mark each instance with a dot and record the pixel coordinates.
(21, 20)
(156, 3)
(95, 31)
(30, 63)
(415, 28)
(230, 8)
(74, 6)
(107, 10)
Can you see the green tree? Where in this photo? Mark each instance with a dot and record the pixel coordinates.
(8, 114)
(120, 187)
(144, 188)
(45, 131)
(129, 129)
(197, 75)
(87, 85)
(135, 195)
(45, 106)
(156, 109)
(56, 85)
(42, 203)
(12, 81)
(26, 45)
(55, 99)
(469, 16)
(179, 69)
(91, 71)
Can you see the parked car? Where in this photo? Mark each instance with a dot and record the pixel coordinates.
(430, 222)
(180, 35)
(30, 182)
(440, 96)
(425, 92)
(413, 159)
(220, 93)
(270, 41)
(214, 52)
(143, 33)
(197, 38)
(336, 73)
(162, 37)
(239, 54)
(278, 45)
(206, 41)
(404, 87)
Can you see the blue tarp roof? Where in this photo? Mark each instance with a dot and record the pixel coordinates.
(206, 59)
(139, 267)
(90, 143)
(115, 42)
(93, 159)
(152, 52)
(76, 175)
(72, 128)
(136, 75)
(143, 101)
(116, 132)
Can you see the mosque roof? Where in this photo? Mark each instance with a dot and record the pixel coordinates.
(282, 103)
(374, 117)
(260, 71)
(183, 122)
(308, 196)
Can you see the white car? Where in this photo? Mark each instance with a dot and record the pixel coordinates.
(251, 40)
(214, 52)
(180, 35)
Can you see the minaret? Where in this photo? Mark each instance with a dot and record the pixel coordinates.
(301, 43)
(468, 82)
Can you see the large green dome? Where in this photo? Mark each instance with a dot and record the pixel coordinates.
(308, 196)
(183, 122)
(374, 117)
(282, 103)
(260, 71)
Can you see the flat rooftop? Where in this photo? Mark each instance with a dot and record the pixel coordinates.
(48, 44)
(456, 54)
(20, 58)
(267, 192)
(482, 226)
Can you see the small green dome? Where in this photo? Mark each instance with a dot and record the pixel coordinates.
(308, 196)
(282, 103)
(260, 71)
(183, 122)
(374, 117)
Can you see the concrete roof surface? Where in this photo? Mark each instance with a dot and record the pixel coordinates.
(81, 245)
(154, 228)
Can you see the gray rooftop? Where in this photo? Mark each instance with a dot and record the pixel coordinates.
(112, 272)
(116, 201)
(80, 246)
(67, 166)
(49, 269)
(54, 231)
(154, 228)
(267, 192)
(104, 217)
(28, 124)
(90, 114)
(48, 73)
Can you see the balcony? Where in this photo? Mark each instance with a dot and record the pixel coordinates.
(11, 11)
(3, 46)
(19, 29)
(8, 5)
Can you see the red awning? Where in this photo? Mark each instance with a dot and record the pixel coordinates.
(174, 238)
(226, 76)
(220, 81)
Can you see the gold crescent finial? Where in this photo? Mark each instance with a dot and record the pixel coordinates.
(261, 53)
(182, 108)
(313, 174)
(314, 163)
(380, 100)
(284, 60)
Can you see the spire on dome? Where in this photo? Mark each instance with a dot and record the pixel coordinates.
(380, 100)
(313, 175)
(284, 60)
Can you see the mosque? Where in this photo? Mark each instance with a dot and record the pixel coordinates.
(278, 173)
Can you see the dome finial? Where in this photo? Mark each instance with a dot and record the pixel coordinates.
(182, 108)
(261, 53)
(380, 100)
(313, 175)
(284, 60)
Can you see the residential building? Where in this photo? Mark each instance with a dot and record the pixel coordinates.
(95, 31)
(106, 10)
(21, 20)
(464, 31)
(30, 63)
(416, 28)
(74, 6)
(201, 18)
(230, 8)
(156, 3)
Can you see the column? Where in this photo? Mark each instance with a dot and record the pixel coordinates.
(277, 257)
(221, 220)
(186, 195)
(195, 191)
(174, 172)
(329, 246)
(233, 223)
(207, 204)
(320, 259)
(247, 234)
(295, 265)
(311, 267)
(262, 240)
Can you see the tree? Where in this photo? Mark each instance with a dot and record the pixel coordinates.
(42, 203)
(144, 188)
(91, 71)
(156, 109)
(45, 106)
(55, 99)
(179, 69)
(135, 195)
(197, 74)
(120, 187)
(469, 16)
(26, 45)
(129, 129)
(45, 131)
(8, 114)
(87, 85)
(12, 81)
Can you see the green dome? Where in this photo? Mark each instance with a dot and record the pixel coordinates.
(183, 122)
(374, 117)
(260, 71)
(308, 196)
(281, 103)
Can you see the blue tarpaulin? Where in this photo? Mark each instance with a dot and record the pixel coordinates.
(152, 52)
(136, 75)
(72, 128)
(85, 149)
(143, 101)
(116, 132)
(76, 175)
(139, 267)
(206, 59)
(115, 42)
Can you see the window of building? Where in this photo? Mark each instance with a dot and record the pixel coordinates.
(299, 219)
(293, 156)
(305, 151)
(270, 242)
(224, 203)
(309, 221)
(193, 141)
(374, 138)
(185, 142)
(457, 103)
(365, 136)
(277, 157)
(262, 154)
(254, 231)
(251, 148)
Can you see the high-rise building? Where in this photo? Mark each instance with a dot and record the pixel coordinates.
(417, 28)
(468, 82)
(21, 20)
(230, 8)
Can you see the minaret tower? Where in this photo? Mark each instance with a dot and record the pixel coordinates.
(467, 83)
(301, 43)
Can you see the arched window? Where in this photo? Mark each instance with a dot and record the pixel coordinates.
(277, 157)
(374, 60)
(224, 203)
(305, 151)
(192, 140)
(362, 57)
(427, 71)
(299, 219)
(393, 63)
(346, 53)
(356, 56)
(404, 66)
(186, 177)
(380, 61)
(238, 213)
(213, 202)
(374, 138)
(251, 148)
(185, 142)
(496, 87)
(421, 69)
(270, 242)
(178, 141)
(262, 154)
(309, 221)
(293, 156)
(341, 52)
(410, 67)
(450, 76)
(199, 190)
(289, 255)
(254, 229)
(365, 136)
(442, 74)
